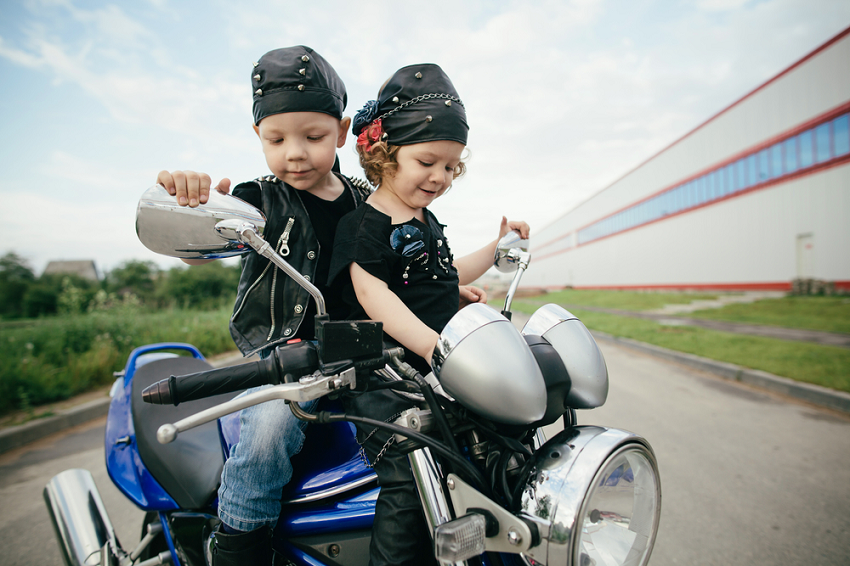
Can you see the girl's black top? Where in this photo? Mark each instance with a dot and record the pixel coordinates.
(412, 258)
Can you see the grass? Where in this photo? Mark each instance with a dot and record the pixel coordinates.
(811, 363)
(55, 358)
(827, 314)
(625, 300)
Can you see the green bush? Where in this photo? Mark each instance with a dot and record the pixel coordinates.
(55, 358)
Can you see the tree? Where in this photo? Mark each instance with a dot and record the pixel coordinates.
(202, 286)
(16, 277)
(134, 276)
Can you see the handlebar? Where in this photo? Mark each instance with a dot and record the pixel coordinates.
(286, 364)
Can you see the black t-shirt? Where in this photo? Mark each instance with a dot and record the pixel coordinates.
(324, 217)
(412, 258)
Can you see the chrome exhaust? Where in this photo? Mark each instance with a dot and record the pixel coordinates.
(86, 536)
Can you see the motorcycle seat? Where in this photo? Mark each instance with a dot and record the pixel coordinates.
(189, 469)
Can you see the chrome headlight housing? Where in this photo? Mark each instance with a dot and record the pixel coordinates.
(482, 361)
(595, 494)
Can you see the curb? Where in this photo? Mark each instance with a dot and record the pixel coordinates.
(17, 436)
(815, 394)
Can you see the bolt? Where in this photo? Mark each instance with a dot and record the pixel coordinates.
(414, 422)
(514, 538)
(451, 483)
(333, 550)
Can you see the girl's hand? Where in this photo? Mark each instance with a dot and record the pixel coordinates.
(518, 226)
(469, 295)
(190, 188)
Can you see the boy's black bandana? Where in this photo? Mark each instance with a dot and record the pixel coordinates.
(296, 79)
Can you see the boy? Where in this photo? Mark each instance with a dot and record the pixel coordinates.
(298, 115)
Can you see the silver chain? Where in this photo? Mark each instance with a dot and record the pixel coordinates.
(420, 98)
(386, 446)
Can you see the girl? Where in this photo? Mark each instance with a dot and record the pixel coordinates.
(398, 268)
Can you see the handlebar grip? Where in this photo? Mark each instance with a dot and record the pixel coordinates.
(178, 389)
(296, 359)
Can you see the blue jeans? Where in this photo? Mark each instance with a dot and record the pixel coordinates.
(258, 468)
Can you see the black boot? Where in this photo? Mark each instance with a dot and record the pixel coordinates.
(253, 547)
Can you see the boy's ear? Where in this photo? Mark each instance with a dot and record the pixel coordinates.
(344, 124)
(256, 129)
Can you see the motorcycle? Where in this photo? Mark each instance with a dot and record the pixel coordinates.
(493, 489)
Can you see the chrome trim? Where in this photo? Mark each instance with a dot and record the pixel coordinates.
(545, 318)
(429, 484)
(560, 479)
(79, 518)
(331, 492)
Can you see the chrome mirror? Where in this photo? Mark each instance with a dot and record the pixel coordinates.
(512, 255)
(509, 252)
(208, 231)
(225, 226)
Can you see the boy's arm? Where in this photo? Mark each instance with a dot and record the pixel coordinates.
(383, 305)
(471, 267)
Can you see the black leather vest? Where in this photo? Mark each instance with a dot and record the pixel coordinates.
(270, 306)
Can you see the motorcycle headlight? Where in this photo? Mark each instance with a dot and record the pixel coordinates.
(595, 494)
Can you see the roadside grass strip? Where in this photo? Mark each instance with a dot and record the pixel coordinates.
(626, 300)
(811, 363)
(827, 314)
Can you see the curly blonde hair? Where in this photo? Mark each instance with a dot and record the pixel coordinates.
(378, 160)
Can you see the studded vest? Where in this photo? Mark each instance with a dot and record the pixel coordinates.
(270, 306)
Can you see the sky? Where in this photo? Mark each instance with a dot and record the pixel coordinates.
(562, 97)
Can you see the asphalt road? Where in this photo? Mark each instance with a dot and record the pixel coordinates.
(747, 477)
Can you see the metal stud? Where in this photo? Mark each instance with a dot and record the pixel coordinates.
(256, 64)
(287, 332)
(302, 72)
(259, 92)
(257, 77)
(448, 102)
(305, 58)
(300, 87)
(418, 75)
(395, 99)
(428, 118)
(298, 309)
(433, 277)
(384, 136)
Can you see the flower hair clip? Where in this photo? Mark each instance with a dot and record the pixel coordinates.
(370, 135)
(364, 117)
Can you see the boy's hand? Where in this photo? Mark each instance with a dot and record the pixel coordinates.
(469, 295)
(517, 226)
(190, 188)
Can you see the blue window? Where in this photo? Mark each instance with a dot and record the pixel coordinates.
(807, 158)
(764, 165)
(752, 171)
(731, 182)
(720, 183)
(776, 161)
(790, 150)
(741, 174)
(823, 152)
(841, 134)
(703, 195)
(710, 185)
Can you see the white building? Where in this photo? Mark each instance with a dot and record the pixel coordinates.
(756, 196)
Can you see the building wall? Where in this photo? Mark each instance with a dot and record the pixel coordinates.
(757, 227)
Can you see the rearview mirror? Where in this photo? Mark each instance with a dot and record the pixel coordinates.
(208, 231)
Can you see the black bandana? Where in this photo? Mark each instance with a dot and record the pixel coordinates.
(418, 104)
(296, 79)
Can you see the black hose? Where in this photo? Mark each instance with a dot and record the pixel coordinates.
(323, 417)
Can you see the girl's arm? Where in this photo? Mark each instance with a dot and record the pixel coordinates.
(471, 267)
(383, 305)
